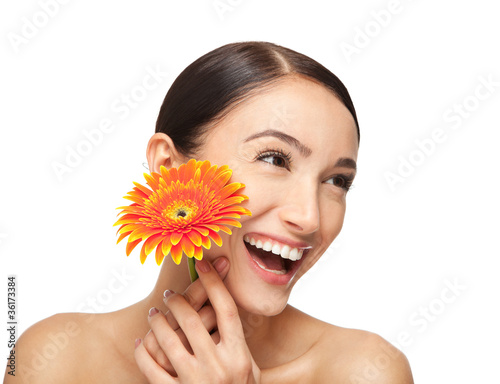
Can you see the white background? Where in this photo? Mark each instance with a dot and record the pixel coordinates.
(399, 248)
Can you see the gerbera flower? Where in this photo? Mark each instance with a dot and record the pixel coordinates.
(183, 211)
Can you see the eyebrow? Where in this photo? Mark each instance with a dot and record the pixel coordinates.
(345, 162)
(303, 149)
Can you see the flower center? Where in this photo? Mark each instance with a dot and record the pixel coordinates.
(180, 210)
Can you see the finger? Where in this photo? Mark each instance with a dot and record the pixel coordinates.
(190, 322)
(149, 368)
(195, 294)
(169, 341)
(228, 320)
(207, 315)
(155, 351)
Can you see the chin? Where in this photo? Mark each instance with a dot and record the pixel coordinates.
(258, 301)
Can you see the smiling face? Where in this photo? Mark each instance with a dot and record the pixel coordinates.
(294, 146)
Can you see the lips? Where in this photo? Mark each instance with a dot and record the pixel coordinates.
(274, 260)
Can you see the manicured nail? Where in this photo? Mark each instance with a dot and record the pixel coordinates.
(153, 311)
(137, 342)
(220, 264)
(168, 293)
(202, 266)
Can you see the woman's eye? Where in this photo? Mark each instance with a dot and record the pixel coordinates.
(275, 160)
(341, 182)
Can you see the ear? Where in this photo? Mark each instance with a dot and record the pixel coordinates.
(161, 151)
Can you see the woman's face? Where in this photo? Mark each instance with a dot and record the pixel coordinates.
(294, 147)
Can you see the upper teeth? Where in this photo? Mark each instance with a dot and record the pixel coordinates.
(283, 250)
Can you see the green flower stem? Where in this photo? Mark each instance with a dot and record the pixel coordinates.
(192, 271)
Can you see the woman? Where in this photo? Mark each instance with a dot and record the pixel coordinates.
(287, 128)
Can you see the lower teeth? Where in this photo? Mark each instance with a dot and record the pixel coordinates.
(280, 272)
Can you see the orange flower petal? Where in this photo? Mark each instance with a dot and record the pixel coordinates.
(229, 190)
(223, 228)
(129, 216)
(159, 255)
(175, 238)
(207, 178)
(198, 253)
(143, 189)
(151, 181)
(232, 222)
(122, 236)
(131, 246)
(143, 254)
(166, 245)
(176, 253)
(202, 231)
(134, 198)
(187, 246)
(205, 242)
(236, 199)
(143, 233)
(152, 242)
(194, 237)
(165, 174)
(221, 179)
(215, 237)
(129, 227)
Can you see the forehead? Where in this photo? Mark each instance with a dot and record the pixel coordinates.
(299, 107)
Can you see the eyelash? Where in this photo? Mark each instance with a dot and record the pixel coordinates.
(287, 157)
(346, 181)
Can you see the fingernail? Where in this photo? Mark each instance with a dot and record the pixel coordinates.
(220, 264)
(153, 311)
(168, 293)
(137, 342)
(202, 266)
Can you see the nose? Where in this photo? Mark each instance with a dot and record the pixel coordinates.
(299, 211)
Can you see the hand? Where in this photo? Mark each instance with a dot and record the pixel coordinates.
(197, 297)
(193, 354)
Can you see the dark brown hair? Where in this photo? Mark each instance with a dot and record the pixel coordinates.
(216, 82)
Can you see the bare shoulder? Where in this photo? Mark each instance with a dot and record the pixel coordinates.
(345, 355)
(52, 349)
(357, 356)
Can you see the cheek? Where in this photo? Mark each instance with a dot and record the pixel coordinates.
(262, 191)
(332, 222)
(330, 227)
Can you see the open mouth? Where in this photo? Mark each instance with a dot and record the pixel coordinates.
(272, 256)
